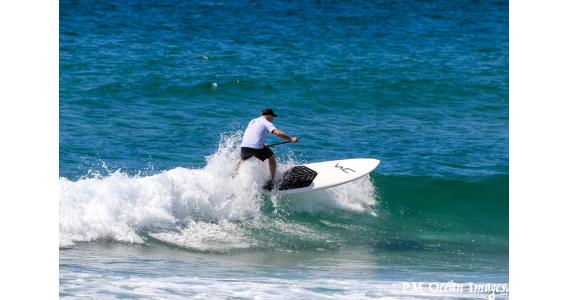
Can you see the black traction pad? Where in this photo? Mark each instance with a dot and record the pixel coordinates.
(297, 177)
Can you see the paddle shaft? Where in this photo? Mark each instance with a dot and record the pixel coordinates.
(276, 144)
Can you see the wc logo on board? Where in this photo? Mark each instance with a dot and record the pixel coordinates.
(344, 169)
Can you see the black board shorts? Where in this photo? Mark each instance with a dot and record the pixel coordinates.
(261, 154)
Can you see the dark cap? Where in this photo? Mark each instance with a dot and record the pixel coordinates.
(268, 112)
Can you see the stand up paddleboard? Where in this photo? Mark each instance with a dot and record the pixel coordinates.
(322, 175)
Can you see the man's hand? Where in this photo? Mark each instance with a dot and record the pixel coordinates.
(294, 139)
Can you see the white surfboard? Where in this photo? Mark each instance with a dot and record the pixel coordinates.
(335, 172)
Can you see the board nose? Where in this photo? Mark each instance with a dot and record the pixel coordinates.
(372, 162)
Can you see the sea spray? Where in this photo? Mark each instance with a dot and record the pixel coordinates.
(204, 208)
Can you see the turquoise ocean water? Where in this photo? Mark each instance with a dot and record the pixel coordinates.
(154, 97)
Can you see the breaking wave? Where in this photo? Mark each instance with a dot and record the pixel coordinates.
(204, 209)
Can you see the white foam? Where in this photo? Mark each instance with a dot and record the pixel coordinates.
(252, 287)
(203, 236)
(190, 207)
(355, 196)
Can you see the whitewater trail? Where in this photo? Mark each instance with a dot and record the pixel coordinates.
(196, 208)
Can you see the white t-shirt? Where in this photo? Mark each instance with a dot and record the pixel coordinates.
(256, 132)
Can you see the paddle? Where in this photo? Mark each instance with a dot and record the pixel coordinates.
(276, 144)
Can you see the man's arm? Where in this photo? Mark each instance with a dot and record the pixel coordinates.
(283, 135)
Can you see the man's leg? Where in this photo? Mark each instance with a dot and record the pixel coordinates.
(236, 171)
(272, 166)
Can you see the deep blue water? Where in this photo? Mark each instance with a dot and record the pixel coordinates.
(422, 85)
(150, 86)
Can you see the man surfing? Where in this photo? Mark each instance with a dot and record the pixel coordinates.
(253, 142)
